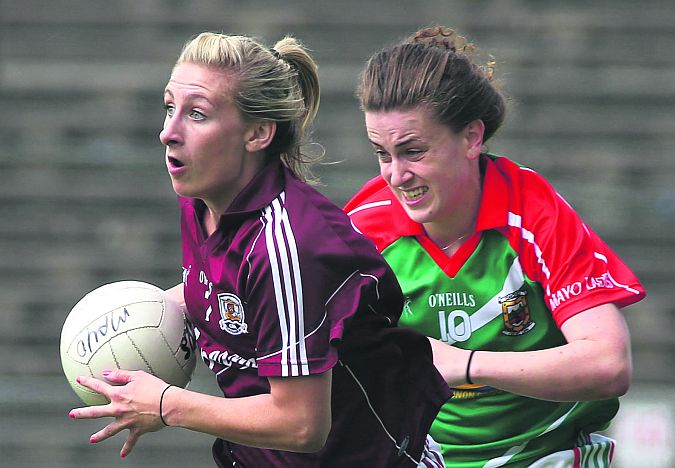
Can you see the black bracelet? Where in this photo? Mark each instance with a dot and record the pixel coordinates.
(468, 367)
(161, 401)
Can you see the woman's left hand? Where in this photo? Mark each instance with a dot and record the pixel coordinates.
(134, 403)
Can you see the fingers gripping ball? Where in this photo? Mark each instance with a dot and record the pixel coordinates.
(127, 325)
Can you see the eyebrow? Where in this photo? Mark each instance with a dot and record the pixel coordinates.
(399, 144)
(191, 97)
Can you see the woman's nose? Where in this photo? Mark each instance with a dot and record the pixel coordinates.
(399, 173)
(170, 133)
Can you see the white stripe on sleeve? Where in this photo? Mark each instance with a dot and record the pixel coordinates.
(285, 269)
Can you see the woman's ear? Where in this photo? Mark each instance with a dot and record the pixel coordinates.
(473, 133)
(260, 135)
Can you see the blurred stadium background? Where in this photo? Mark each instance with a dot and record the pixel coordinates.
(85, 198)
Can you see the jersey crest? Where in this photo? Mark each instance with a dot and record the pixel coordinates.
(516, 313)
(231, 314)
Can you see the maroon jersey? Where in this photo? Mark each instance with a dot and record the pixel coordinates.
(286, 287)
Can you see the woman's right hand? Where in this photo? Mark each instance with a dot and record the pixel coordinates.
(134, 403)
(450, 361)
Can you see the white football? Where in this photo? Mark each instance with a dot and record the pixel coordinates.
(127, 325)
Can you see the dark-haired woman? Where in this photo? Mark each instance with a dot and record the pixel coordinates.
(519, 296)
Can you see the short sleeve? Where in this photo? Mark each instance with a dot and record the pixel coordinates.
(309, 274)
(576, 268)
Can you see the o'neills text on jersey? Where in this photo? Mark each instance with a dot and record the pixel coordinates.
(452, 299)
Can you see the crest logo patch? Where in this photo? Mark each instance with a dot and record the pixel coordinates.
(231, 314)
(516, 313)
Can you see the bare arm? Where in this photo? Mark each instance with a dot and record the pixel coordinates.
(176, 293)
(594, 364)
(294, 416)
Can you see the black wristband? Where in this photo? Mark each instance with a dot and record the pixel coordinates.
(468, 367)
(161, 401)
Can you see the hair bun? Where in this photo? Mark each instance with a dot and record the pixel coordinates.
(443, 38)
(448, 39)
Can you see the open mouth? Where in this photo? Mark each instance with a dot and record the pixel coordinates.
(175, 162)
(415, 193)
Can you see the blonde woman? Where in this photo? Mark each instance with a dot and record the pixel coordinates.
(293, 311)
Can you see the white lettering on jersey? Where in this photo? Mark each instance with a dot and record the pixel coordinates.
(228, 360)
(452, 299)
(457, 327)
(203, 279)
(604, 281)
(186, 274)
(463, 325)
(564, 293)
(589, 283)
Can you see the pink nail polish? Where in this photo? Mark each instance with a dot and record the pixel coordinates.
(123, 454)
(106, 373)
(71, 415)
(92, 440)
(77, 380)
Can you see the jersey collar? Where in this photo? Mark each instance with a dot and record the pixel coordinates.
(493, 210)
(494, 204)
(256, 195)
(260, 191)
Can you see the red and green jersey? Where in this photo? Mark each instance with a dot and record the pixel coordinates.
(531, 265)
